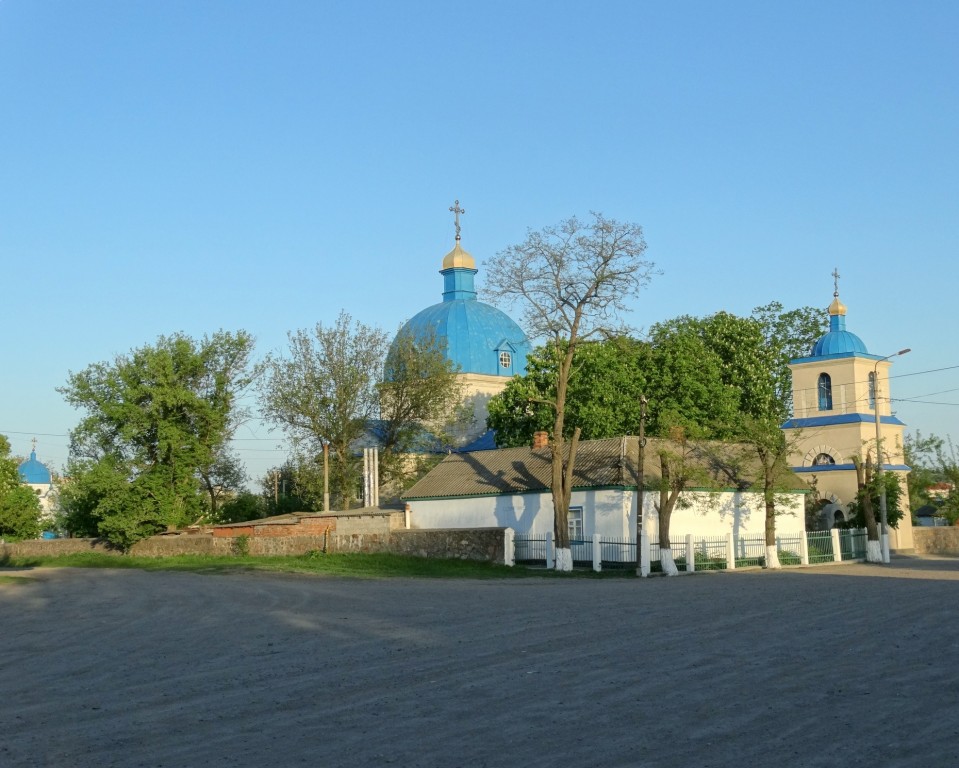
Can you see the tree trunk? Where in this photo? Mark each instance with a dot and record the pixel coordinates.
(667, 500)
(562, 467)
(863, 476)
(772, 551)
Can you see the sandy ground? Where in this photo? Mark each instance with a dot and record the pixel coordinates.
(839, 666)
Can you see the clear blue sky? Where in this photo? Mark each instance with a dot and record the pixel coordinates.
(190, 166)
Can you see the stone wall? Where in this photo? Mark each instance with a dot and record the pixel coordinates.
(465, 544)
(486, 544)
(936, 540)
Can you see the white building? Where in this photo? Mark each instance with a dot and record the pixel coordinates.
(509, 487)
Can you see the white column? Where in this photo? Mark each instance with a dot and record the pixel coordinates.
(803, 549)
(690, 554)
(597, 554)
(509, 547)
(730, 553)
(836, 547)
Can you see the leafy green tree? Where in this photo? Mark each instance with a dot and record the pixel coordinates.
(241, 508)
(19, 505)
(420, 405)
(324, 390)
(157, 422)
(605, 386)
(933, 460)
(571, 281)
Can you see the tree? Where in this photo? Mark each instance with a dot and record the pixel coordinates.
(420, 405)
(933, 460)
(788, 334)
(606, 383)
(19, 505)
(325, 391)
(572, 280)
(157, 420)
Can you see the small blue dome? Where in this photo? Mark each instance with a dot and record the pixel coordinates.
(33, 472)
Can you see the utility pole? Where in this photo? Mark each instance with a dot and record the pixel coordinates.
(326, 477)
(883, 516)
(276, 493)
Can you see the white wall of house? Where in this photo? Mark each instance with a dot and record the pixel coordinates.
(611, 513)
(716, 514)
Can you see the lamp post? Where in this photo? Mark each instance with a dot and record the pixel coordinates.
(882, 486)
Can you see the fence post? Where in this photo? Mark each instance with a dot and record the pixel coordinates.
(643, 555)
(836, 546)
(690, 554)
(549, 551)
(597, 553)
(509, 547)
(804, 548)
(730, 553)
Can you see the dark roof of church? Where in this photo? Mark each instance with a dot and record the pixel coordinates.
(612, 462)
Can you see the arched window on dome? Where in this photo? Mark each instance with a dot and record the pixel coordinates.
(825, 392)
(872, 390)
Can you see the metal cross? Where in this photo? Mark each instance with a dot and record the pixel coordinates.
(456, 211)
(34, 445)
(835, 276)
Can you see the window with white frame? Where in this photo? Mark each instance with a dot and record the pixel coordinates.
(505, 359)
(575, 522)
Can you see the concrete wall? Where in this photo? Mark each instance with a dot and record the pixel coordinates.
(936, 541)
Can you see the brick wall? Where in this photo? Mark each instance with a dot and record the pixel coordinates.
(936, 540)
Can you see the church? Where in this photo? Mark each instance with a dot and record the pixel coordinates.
(485, 344)
(837, 413)
(36, 476)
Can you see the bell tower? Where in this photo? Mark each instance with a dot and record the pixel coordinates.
(837, 390)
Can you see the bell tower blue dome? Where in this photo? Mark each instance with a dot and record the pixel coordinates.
(837, 340)
(478, 338)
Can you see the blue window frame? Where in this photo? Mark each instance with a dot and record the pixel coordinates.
(825, 392)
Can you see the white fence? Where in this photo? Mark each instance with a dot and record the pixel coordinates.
(696, 553)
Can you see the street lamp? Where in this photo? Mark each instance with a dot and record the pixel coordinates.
(882, 486)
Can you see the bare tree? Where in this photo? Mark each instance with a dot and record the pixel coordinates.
(572, 280)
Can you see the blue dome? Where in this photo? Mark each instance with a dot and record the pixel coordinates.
(839, 343)
(33, 472)
(837, 340)
(478, 338)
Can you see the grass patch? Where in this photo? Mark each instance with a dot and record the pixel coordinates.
(15, 579)
(366, 566)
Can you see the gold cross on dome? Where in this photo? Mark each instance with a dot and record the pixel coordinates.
(456, 211)
(835, 278)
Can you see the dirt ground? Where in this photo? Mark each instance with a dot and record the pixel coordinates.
(838, 666)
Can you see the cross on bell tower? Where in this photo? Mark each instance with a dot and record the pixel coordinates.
(456, 211)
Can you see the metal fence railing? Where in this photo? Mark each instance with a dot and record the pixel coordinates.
(617, 553)
(710, 553)
(530, 549)
(853, 544)
(819, 546)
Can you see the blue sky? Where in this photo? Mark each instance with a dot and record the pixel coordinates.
(190, 166)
